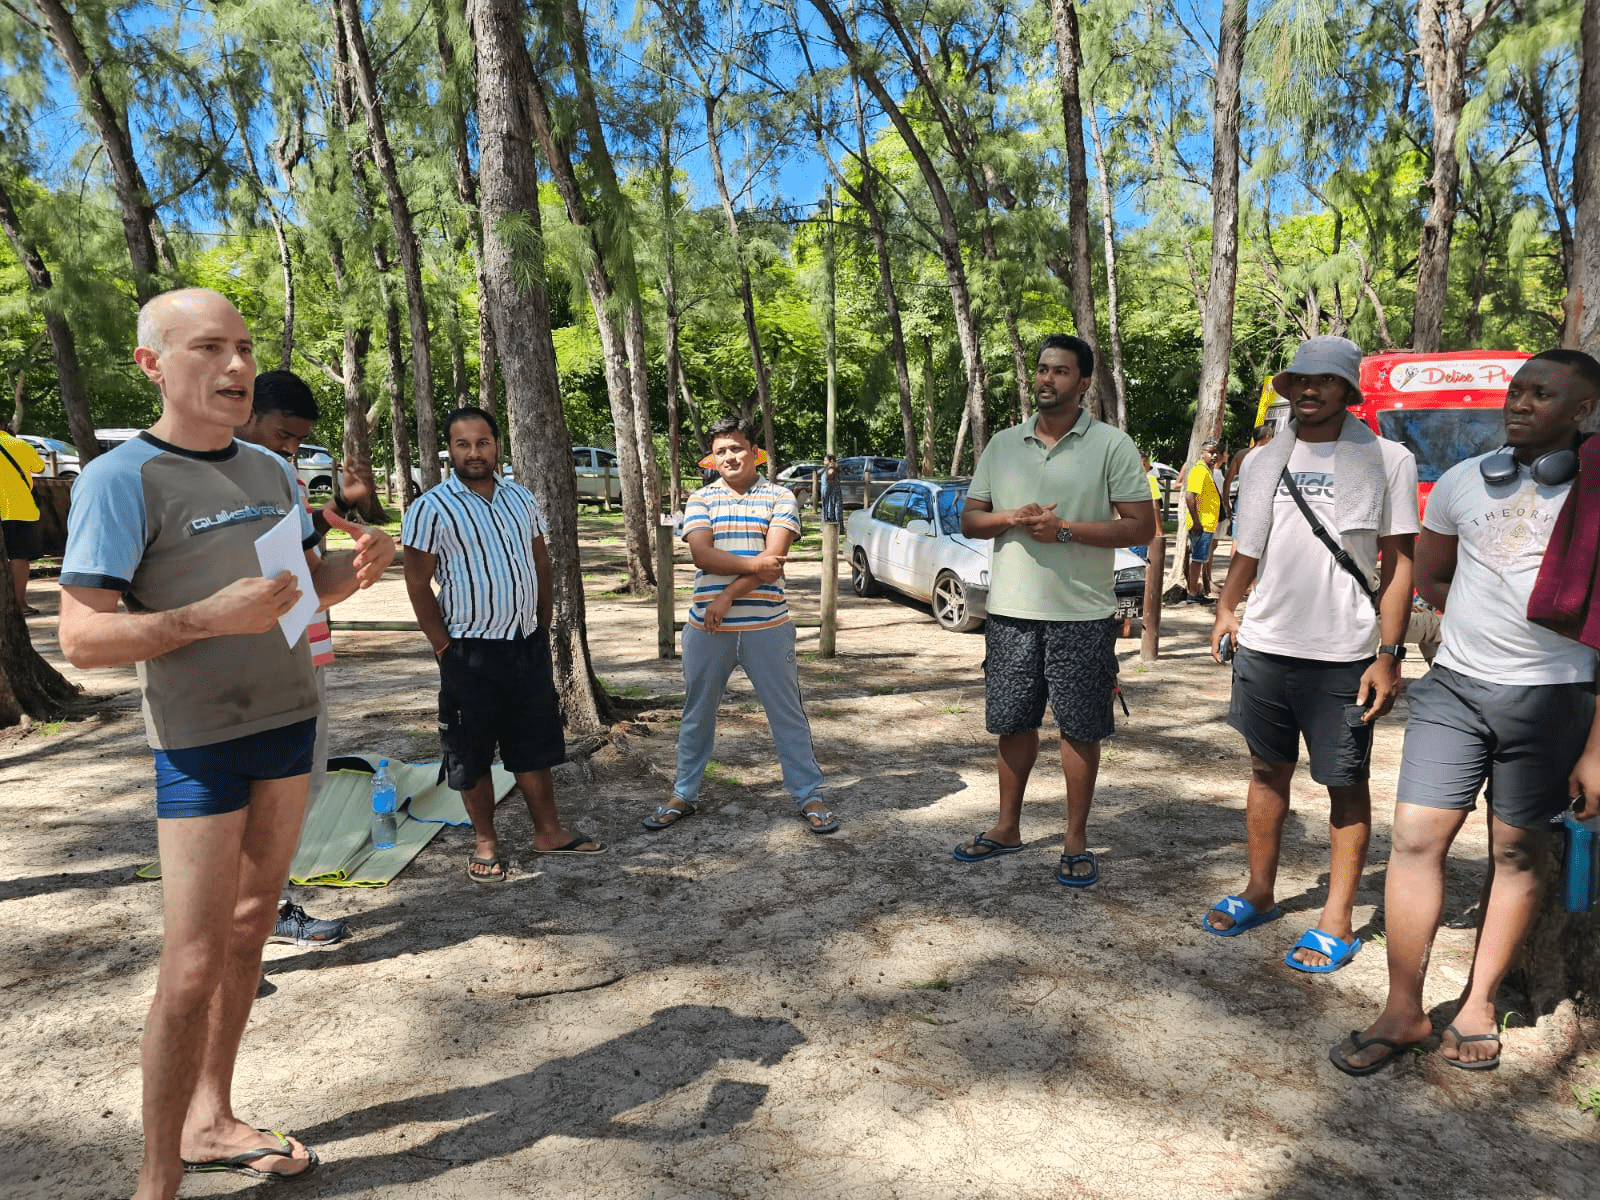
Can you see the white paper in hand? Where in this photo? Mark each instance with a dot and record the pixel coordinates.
(279, 550)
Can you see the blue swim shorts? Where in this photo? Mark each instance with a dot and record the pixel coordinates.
(207, 781)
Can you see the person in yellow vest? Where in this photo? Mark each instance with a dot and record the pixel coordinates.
(19, 513)
(1205, 510)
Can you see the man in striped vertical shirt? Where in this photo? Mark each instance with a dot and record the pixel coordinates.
(739, 530)
(481, 537)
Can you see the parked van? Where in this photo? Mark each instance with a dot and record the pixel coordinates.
(1443, 407)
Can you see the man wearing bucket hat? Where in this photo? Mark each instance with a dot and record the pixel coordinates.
(1328, 518)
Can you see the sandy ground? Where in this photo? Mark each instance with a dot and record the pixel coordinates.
(738, 1008)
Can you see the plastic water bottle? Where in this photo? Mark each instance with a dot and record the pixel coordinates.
(383, 806)
(1578, 868)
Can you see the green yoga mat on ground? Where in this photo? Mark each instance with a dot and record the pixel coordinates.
(336, 845)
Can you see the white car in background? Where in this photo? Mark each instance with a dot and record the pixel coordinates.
(598, 477)
(60, 458)
(910, 541)
(314, 466)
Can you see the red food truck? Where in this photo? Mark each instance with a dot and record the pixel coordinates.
(1442, 407)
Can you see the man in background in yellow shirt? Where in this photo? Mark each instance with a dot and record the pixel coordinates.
(19, 514)
(1205, 509)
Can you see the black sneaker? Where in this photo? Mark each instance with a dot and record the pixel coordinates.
(1193, 599)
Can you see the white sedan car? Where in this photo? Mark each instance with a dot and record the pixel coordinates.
(910, 541)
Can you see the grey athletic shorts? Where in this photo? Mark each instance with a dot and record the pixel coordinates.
(1522, 740)
(1073, 664)
(1276, 699)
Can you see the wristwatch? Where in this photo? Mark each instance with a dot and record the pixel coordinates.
(1396, 652)
(1064, 534)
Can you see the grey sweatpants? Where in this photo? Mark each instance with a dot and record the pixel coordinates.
(767, 656)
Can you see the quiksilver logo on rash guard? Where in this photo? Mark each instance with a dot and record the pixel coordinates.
(250, 512)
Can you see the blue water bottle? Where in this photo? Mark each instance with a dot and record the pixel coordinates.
(1578, 867)
(383, 806)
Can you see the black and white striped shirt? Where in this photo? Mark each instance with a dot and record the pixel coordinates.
(487, 584)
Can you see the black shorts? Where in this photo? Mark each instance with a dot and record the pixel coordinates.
(498, 692)
(1276, 699)
(22, 540)
(1073, 664)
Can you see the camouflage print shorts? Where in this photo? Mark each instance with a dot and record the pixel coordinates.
(1073, 664)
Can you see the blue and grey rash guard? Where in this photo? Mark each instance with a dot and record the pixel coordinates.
(165, 527)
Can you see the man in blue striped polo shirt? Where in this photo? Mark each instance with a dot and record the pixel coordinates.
(482, 538)
(739, 530)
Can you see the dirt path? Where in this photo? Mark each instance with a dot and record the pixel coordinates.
(737, 1008)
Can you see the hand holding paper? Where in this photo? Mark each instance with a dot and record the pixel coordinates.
(249, 605)
(279, 552)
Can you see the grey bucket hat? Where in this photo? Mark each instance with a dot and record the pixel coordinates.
(1326, 355)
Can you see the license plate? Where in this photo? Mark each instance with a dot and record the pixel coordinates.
(1129, 606)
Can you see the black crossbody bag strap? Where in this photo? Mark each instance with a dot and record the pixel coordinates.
(26, 478)
(1340, 554)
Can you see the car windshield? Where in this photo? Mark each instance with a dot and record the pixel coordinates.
(315, 456)
(951, 500)
(56, 444)
(1442, 437)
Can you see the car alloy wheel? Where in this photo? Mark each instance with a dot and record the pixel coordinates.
(949, 602)
(861, 578)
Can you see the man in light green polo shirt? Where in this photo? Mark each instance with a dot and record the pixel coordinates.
(1058, 494)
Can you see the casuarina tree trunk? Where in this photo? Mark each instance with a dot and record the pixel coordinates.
(28, 685)
(405, 238)
(1583, 283)
(513, 266)
(1216, 325)
(63, 348)
(1444, 33)
(1069, 61)
(154, 268)
(603, 299)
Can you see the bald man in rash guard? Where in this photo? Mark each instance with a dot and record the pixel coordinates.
(161, 570)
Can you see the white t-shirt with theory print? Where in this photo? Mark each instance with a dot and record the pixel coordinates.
(1503, 530)
(1305, 605)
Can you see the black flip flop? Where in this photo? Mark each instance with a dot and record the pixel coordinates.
(665, 816)
(493, 876)
(1482, 1064)
(572, 846)
(1396, 1049)
(239, 1164)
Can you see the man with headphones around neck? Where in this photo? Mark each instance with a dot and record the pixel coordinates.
(1507, 701)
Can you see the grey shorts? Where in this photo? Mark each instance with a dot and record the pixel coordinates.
(1522, 740)
(1073, 664)
(1277, 699)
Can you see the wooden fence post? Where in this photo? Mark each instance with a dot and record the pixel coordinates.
(1154, 574)
(666, 590)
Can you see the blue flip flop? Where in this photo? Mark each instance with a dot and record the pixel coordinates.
(991, 849)
(1068, 861)
(1244, 914)
(1338, 952)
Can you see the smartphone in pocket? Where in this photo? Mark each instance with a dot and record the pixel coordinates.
(1355, 716)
